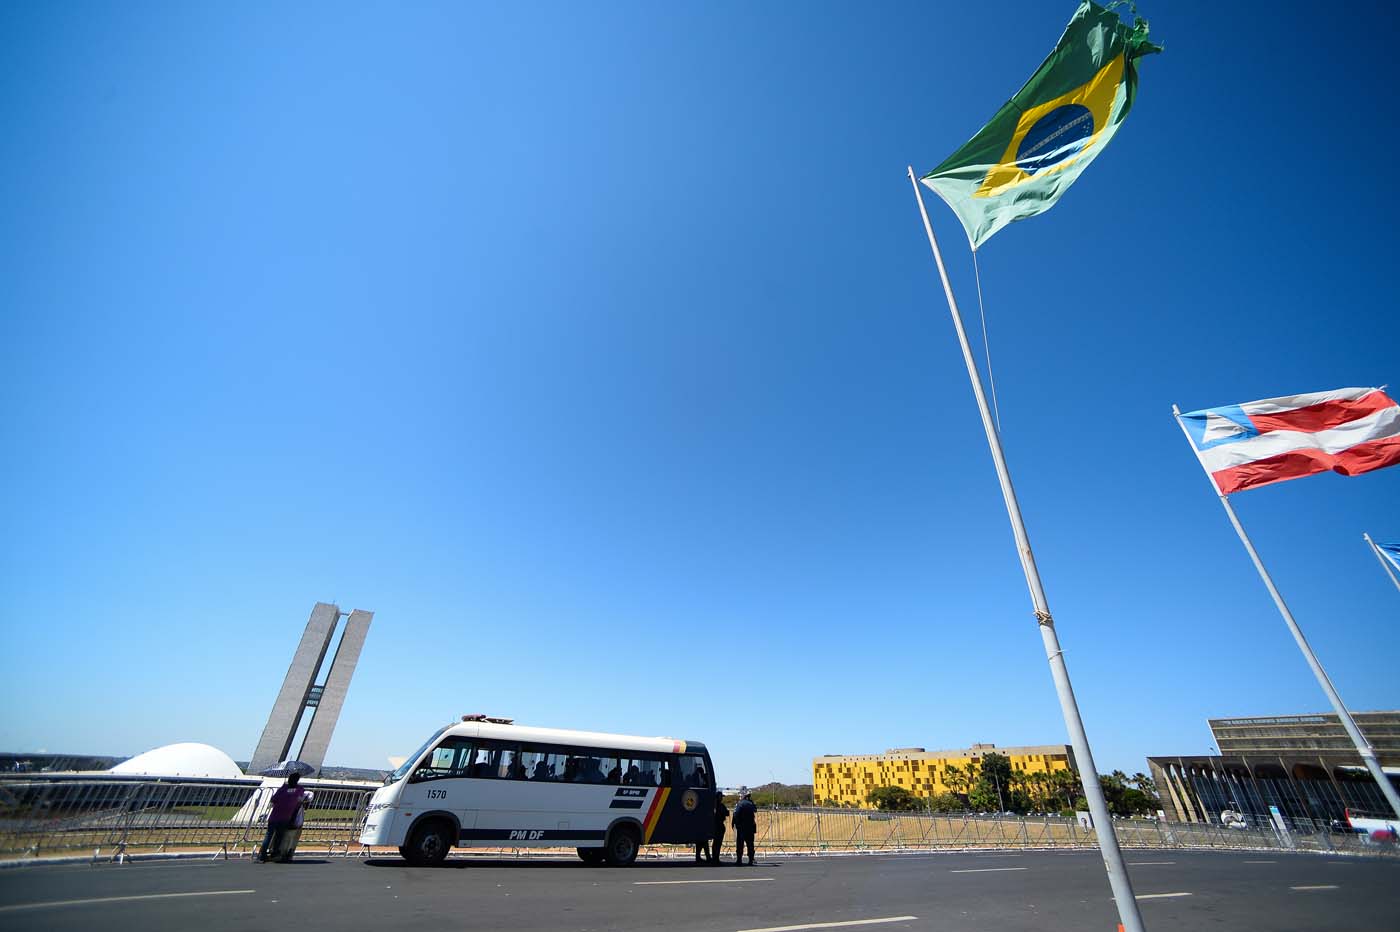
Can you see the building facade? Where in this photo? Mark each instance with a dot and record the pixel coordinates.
(1305, 765)
(848, 779)
(301, 694)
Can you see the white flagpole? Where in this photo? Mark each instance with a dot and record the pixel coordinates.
(1363, 747)
(1385, 564)
(1118, 879)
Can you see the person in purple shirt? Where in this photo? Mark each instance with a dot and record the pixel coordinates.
(286, 803)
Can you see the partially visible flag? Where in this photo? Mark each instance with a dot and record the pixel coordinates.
(1350, 431)
(1391, 552)
(1020, 163)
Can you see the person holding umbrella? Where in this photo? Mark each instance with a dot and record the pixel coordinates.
(286, 807)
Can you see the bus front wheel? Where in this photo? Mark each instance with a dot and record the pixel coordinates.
(429, 844)
(593, 856)
(621, 847)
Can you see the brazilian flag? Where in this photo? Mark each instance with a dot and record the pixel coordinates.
(1020, 163)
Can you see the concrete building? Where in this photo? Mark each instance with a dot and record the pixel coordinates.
(846, 779)
(301, 693)
(1303, 764)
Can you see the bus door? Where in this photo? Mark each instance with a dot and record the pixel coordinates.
(439, 784)
(690, 812)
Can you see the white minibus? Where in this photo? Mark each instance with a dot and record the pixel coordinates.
(486, 782)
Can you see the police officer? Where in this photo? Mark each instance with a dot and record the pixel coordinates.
(745, 827)
(721, 817)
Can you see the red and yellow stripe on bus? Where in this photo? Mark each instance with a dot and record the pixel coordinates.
(654, 813)
(658, 802)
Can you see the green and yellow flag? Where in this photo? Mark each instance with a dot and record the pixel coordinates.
(1020, 163)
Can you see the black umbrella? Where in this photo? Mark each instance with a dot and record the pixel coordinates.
(287, 768)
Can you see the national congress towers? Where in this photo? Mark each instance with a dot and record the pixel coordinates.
(302, 693)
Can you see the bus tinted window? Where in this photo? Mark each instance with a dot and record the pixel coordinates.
(590, 767)
(692, 769)
(483, 763)
(510, 766)
(541, 763)
(641, 771)
(449, 759)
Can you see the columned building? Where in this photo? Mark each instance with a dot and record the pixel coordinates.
(1305, 765)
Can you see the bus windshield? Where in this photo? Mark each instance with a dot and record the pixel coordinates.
(404, 768)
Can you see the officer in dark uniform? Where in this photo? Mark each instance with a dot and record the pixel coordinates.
(745, 827)
(721, 817)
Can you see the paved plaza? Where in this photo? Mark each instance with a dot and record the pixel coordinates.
(985, 891)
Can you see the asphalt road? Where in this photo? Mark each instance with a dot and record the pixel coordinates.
(1041, 891)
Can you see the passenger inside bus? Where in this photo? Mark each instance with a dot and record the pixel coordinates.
(693, 771)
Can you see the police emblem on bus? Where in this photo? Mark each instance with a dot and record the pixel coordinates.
(690, 800)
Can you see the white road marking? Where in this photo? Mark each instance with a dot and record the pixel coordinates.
(1158, 896)
(1261, 862)
(663, 883)
(1319, 886)
(1145, 863)
(987, 870)
(118, 899)
(833, 925)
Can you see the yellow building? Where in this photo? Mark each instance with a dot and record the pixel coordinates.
(846, 779)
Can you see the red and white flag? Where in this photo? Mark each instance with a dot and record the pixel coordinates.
(1350, 431)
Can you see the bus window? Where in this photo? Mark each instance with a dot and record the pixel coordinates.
(402, 770)
(510, 766)
(539, 764)
(590, 768)
(641, 771)
(483, 763)
(693, 771)
(449, 759)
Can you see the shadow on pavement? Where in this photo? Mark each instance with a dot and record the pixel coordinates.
(563, 863)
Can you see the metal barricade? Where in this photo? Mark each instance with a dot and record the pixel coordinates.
(116, 818)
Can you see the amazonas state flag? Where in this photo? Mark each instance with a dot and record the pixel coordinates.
(1020, 163)
(1349, 431)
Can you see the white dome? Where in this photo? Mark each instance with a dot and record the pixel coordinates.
(186, 759)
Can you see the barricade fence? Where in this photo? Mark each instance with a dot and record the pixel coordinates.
(111, 819)
(41, 817)
(811, 829)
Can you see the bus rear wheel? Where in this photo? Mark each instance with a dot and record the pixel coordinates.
(428, 844)
(593, 856)
(622, 844)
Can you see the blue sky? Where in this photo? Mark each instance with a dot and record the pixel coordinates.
(599, 351)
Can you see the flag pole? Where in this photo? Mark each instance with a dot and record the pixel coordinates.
(1385, 564)
(1118, 880)
(1363, 747)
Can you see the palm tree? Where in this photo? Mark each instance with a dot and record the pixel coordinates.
(958, 779)
(1066, 782)
(1036, 782)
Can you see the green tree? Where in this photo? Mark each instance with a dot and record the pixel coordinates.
(893, 799)
(946, 802)
(996, 786)
(958, 779)
(1145, 783)
(1064, 786)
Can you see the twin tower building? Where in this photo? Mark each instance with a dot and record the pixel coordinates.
(305, 699)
